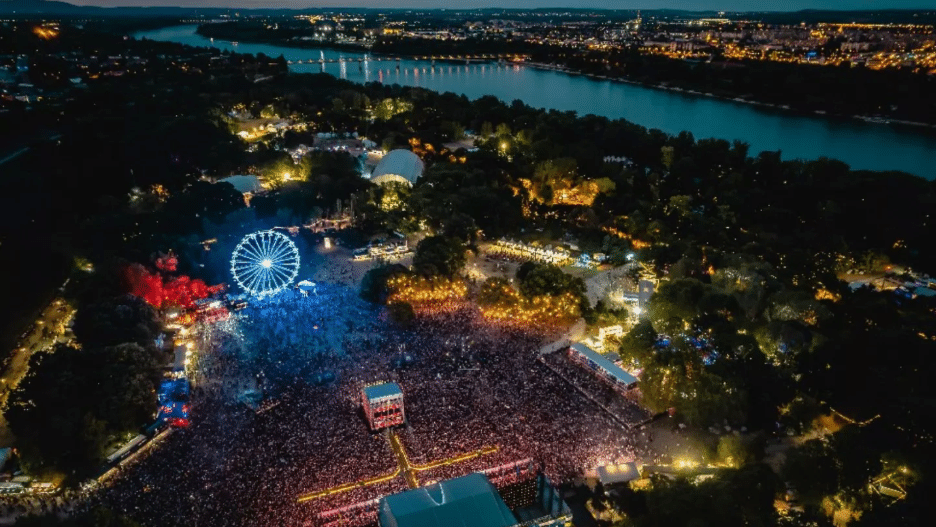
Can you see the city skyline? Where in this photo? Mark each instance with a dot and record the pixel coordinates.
(691, 5)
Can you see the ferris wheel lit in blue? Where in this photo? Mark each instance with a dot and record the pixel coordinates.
(265, 262)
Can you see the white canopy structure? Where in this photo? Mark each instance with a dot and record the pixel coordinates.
(400, 166)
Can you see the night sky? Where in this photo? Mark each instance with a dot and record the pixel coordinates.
(727, 5)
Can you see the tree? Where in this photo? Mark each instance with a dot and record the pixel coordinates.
(554, 175)
(72, 401)
(676, 303)
(462, 227)
(185, 210)
(374, 283)
(401, 313)
(733, 497)
(637, 345)
(115, 321)
(487, 130)
(811, 469)
(497, 292)
(539, 280)
(667, 156)
(439, 256)
(549, 280)
(736, 450)
(388, 108)
(448, 192)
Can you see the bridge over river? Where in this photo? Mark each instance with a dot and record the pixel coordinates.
(423, 58)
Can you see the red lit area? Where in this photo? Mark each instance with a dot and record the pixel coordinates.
(161, 291)
(167, 262)
(164, 292)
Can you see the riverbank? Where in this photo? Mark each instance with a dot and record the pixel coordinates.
(797, 134)
(870, 119)
(658, 86)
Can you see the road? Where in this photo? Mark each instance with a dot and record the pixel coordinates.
(48, 136)
(14, 155)
(404, 467)
(46, 331)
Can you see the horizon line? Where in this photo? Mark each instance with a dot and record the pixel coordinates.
(405, 8)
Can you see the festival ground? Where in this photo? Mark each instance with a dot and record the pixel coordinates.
(475, 394)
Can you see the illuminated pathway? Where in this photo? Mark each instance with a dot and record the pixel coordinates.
(410, 469)
(348, 486)
(406, 468)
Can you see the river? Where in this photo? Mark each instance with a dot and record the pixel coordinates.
(860, 144)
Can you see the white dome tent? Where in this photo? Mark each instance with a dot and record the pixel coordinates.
(398, 166)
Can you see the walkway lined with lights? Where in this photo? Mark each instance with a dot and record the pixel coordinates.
(406, 468)
(348, 486)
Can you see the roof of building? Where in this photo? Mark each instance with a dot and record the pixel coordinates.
(244, 184)
(379, 391)
(468, 501)
(605, 364)
(400, 166)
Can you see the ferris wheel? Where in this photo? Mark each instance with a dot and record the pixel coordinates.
(265, 262)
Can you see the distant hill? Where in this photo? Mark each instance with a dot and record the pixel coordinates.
(54, 8)
(28, 8)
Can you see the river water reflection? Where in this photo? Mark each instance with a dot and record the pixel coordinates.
(862, 145)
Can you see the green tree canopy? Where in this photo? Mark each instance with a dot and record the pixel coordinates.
(114, 321)
(72, 401)
(374, 284)
(538, 280)
(439, 256)
(401, 313)
(733, 497)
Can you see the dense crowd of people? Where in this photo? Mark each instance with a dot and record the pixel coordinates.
(620, 405)
(468, 384)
